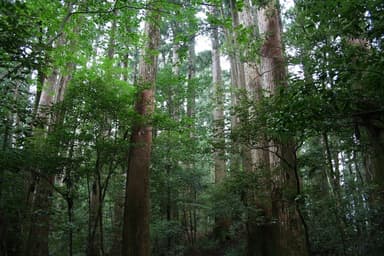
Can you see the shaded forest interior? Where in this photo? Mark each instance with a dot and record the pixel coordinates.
(191, 127)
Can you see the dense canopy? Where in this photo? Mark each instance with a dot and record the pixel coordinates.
(169, 127)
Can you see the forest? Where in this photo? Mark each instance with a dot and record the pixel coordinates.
(191, 127)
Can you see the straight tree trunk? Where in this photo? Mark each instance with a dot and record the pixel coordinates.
(262, 231)
(94, 247)
(239, 157)
(191, 83)
(221, 226)
(117, 222)
(40, 199)
(191, 108)
(291, 238)
(375, 167)
(136, 240)
(218, 112)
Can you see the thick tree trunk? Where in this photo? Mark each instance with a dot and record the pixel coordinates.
(38, 238)
(136, 240)
(40, 201)
(262, 231)
(291, 239)
(375, 166)
(375, 158)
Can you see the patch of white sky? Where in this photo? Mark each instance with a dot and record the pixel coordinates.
(203, 41)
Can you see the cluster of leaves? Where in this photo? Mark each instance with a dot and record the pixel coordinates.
(21, 48)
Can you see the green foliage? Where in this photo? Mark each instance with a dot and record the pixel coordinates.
(21, 49)
(325, 109)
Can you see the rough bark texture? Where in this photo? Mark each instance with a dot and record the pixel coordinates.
(239, 155)
(94, 233)
(375, 167)
(282, 159)
(136, 240)
(262, 231)
(221, 223)
(40, 198)
(375, 131)
(37, 243)
(218, 112)
(237, 67)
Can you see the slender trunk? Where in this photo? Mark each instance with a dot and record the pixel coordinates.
(40, 83)
(169, 205)
(69, 200)
(96, 235)
(94, 245)
(136, 213)
(117, 221)
(191, 81)
(218, 112)
(221, 227)
(334, 191)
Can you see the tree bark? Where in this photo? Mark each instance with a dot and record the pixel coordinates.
(94, 247)
(136, 240)
(262, 230)
(218, 112)
(40, 201)
(286, 183)
(220, 228)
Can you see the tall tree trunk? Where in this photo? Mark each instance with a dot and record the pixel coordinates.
(94, 246)
(136, 241)
(218, 112)
(117, 222)
(191, 105)
(40, 199)
(37, 243)
(262, 231)
(191, 83)
(237, 80)
(221, 226)
(291, 239)
(375, 167)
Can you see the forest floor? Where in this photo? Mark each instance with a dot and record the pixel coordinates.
(207, 247)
